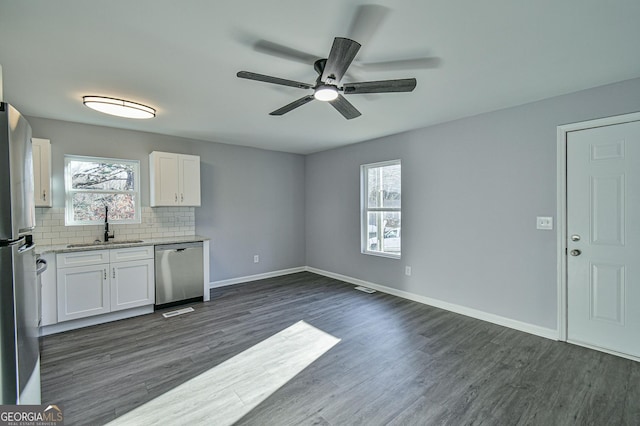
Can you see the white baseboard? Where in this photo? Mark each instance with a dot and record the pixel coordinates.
(547, 333)
(248, 278)
(463, 310)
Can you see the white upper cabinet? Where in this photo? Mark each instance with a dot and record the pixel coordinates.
(189, 170)
(42, 172)
(174, 179)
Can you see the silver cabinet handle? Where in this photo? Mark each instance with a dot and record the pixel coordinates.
(114, 272)
(176, 197)
(105, 274)
(575, 252)
(44, 195)
(182, 198)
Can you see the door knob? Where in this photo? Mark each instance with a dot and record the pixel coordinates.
(575, 252)
(575, 237)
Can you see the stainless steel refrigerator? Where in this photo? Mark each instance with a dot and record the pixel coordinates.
(19, 287)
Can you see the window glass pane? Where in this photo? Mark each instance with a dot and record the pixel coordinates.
(91, 206)
(383, 232)
(94, 175)
(373, 185)
(391, 189)
(384, 186)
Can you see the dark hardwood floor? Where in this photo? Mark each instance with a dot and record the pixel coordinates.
(399, 363)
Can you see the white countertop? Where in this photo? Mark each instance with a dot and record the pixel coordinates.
(64, 248)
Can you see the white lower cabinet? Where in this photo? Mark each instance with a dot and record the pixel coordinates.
(83, 291)
(96, 282)
(132, 284)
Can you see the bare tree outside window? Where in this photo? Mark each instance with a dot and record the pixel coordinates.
(382, 199)
(91, 184)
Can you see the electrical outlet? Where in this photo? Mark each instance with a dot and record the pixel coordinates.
(407, 271)
(256, 258)
(544, 222)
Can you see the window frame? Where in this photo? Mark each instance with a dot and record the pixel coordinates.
(365, 209)
(68, 191)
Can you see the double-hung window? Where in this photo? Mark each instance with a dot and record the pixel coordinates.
(381, 187)
(94, 184)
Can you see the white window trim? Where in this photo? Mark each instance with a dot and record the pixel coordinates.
(68, 191)
(364, 209)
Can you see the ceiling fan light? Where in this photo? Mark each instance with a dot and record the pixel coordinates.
(119, 107)
(326, 93)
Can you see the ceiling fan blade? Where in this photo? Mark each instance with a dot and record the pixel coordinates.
(280, 51)
(293, 105)
(403, 64)
(367, 19)
(345, 108)
(342, 53)
(275, 80)
(384, 86)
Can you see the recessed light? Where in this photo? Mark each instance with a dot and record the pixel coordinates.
(119, 107)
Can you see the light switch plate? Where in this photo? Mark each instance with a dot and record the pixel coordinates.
(544, 222)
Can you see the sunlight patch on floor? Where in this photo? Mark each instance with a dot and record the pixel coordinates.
(225, 393)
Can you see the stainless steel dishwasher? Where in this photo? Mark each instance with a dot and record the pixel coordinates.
(179, 273)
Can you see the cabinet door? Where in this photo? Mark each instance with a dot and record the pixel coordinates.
(189, 169)
(41, 149)
(83, 291)
(164, 177)
(132, 284)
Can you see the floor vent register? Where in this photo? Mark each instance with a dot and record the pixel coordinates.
(365, 289)
(177, 312)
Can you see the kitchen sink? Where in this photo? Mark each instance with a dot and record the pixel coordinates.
(104, 243)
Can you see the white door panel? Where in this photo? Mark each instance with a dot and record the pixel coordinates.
(603, 227)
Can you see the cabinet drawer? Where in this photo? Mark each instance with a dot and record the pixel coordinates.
(81, 258)
(131, 253)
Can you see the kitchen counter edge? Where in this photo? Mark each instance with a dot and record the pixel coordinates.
(63, 248)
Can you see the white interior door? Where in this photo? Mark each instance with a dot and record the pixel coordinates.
(603, 230)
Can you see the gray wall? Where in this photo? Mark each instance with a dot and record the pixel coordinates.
(472, 189)
(252, 200)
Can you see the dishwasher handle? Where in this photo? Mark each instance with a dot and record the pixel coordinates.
(178, 246)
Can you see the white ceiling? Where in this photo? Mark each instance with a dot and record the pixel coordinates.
(181, 57)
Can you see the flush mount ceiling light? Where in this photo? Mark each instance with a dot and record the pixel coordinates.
(118, 107)
(325, 93)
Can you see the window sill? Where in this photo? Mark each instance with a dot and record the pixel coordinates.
(381, 254)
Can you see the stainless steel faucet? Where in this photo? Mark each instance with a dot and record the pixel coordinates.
(106, 225)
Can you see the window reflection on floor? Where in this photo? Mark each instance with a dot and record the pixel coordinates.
(225, 393)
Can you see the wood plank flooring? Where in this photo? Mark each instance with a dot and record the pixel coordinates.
(398, 363)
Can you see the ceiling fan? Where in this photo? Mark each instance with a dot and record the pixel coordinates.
(328, 84)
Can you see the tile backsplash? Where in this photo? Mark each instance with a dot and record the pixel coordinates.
(156, 222)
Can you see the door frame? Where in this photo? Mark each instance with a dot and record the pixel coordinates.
(561, 207)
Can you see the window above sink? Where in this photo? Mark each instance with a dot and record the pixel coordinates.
(93, 183)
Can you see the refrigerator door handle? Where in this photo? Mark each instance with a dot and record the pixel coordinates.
(10, 243)
(26, 247)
